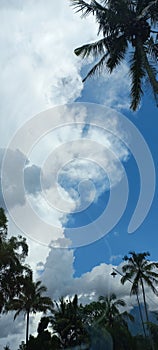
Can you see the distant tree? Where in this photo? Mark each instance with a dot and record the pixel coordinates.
(30, 300)
(124, 24)
(13, 252)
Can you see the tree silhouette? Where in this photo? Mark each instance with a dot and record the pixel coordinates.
(124, 25)
(30, 300)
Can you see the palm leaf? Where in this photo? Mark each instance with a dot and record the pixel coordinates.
(117, 52)
(85, 8)
(151, 73)
(152, 49)
(97, 68)
(93, 49)
(137, 72)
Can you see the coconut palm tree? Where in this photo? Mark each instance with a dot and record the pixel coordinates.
(112, 314)
(30, 300)
(140, 270)
(124, 24)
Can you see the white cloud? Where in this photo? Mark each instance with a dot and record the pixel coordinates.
(91, 284)
(38, 67)
(70, 168)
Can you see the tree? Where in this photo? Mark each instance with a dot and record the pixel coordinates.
(13, 252)
(140, 270)
(124, 24)
(67, 323)
(30, 300)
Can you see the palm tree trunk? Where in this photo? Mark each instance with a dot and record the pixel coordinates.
(141, 316)
(146, 312)
(27, 328)
(145, 305)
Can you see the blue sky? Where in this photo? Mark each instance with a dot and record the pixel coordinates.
(118, 242)
(38, 73)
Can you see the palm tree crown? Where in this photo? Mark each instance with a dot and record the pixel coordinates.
(140, 269)
(124, 24)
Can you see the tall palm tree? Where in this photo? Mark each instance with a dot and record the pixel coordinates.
(140, 270)
(30, 300)
(124, 24)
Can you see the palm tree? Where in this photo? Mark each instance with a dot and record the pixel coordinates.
(30, 300)
(112, 312)
(124, 24)
(140, 270)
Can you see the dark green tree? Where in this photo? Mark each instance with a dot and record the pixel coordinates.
(126, 26)
(13, 252)
(67, 323)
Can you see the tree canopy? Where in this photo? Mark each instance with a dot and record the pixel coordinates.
(125, 27)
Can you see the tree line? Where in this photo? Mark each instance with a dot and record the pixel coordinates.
(66, 324)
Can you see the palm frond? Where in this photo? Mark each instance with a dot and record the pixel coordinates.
(117, 52)
(149, 282)
(86, 8)
(97, 68)
(148, 9)
(95, 49)
(137, 72)
(151, 73)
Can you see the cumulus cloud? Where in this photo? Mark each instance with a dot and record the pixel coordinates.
(38, 67)
(68, 168)
(91, 284)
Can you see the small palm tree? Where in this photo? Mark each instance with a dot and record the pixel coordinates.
(111, 310)
(140, 270)
(30, 300)
(124, 25)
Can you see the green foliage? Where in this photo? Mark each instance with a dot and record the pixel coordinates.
(123, 25)
(67, 323)
(13, 252)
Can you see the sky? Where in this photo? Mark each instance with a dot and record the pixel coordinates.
(74, 160)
